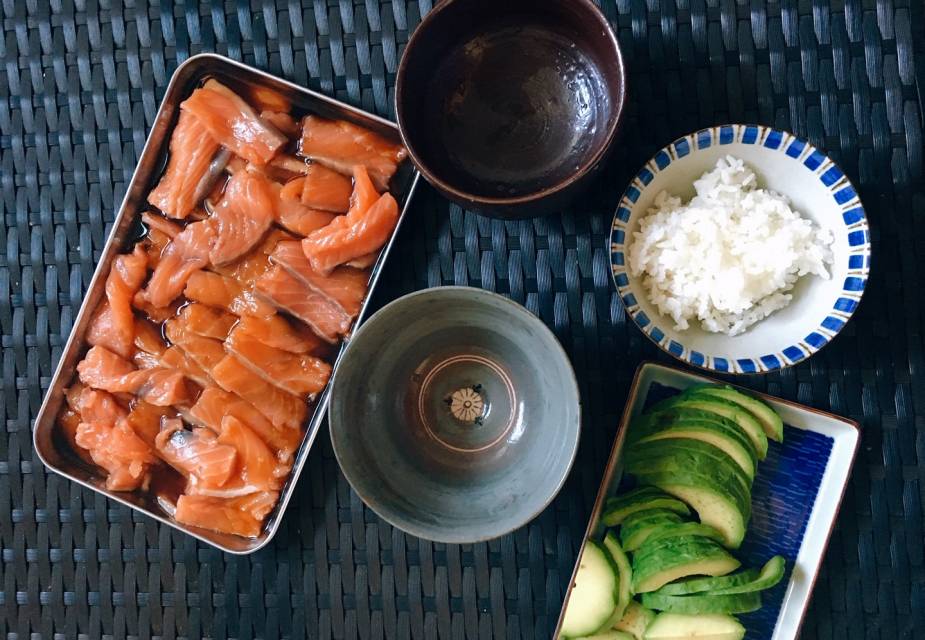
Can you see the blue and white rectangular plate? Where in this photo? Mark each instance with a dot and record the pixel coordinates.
(796, 495)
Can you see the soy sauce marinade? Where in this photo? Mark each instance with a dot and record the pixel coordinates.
(221, 319)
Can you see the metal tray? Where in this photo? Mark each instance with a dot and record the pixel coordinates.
(187, 76)
(824, 452)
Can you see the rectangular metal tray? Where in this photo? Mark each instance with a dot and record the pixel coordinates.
(187, 76)
(835, 469)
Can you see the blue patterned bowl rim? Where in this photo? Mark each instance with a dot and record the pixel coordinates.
(826, 171)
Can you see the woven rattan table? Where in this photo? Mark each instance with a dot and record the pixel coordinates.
(79, 86)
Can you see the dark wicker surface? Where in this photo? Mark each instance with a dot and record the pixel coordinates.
(79, 85)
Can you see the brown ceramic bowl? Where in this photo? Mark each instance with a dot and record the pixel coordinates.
(509, 108)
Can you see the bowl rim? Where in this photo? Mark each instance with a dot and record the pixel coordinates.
(411, 527)
(600, 153)
(832, 177)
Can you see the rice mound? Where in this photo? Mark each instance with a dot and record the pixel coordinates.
(728, 257)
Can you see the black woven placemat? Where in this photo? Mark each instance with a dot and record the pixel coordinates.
(79, 86)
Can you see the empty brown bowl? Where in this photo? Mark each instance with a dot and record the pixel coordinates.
(508, 108)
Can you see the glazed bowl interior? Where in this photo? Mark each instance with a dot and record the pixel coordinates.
(816, 188)
(504, 102)
(455, 414)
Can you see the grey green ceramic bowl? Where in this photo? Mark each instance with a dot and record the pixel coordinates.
(455, 414)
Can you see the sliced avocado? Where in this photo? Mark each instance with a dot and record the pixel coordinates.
(594, 594)
(612, 634)
(703, 585)
(729, 440)
(771, 573)
(635, 620)
(616, 509)
(722, 407)
(703, 603)
(771, 422)
(690, 455)
(679, 558)
(624, 577)
(640, 525)
(713, 500)
(680, 626)
(685, 529)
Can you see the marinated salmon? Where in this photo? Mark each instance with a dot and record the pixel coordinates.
(280, 333)
(344, 286)
(196, 453)
(363, 262)
(283, 122)
(145, 420)
(154, 244)
(205, 352)
(183, 256)
(206, 321)
(297, 374)
(113, 325)
(233, 123)
(218, 291)
(243, 215)
(118, 450)
(68, 421)
(214, 404)
(102, 369)
(175, 358)
(290, 294)
(194, 162)
(256, 470)
(299, 219)
(283, 409)
(356, 234)
(154, 222)
(342, 145)
(321, 188)
(156, 314)
(148, 337)
(217, 514)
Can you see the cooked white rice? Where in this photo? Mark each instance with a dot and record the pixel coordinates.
(728, 257)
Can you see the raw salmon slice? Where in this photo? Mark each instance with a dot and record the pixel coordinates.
(197, 454)
(345, 286)
(68, 421)
(299, 219)
(243, 215)
(175, 358)
(216, 514)
(102, 369)
(183, 256)
(359, 233)
(233, 123)
(254, 264)
(268, 99)
(258, 504)
(195, 161)
(154, 222)
(113, 324)
(206, 321)
(117, 449)
(94, 405)
(283, 409)
(256, 462)
(155, 314)
(326, 318)
(214, 404)
(225, 293)
(284, 168)
(297, 374)
(278, 332)
(363, 262)
(321, 188)
(148, 337)
(145, 420)
(205, 352)
(342, 145)
(283, 122)
(154, 244)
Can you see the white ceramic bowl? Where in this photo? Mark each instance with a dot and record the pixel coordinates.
(816, 187)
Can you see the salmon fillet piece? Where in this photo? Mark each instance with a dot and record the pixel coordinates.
(283, 409)
(206, 321)
(175, 358)
(68, 422)
(250, 267)
(360, 232)
(155, 222)
(325, 317)
(256, 468)
(145, 420)
(363, 262)
(243, 215)
(342, 145)
(148, 337)
(194, 162)
(320, 188)
(155, 314)
(344, 286)
(183, 256)
(267, 99)
(204, 352)
(113, 324)
(218, 291)
(297, 218)
(102, 369)
(154, 243)
(197, 454)
(279, 333)
(216, 514)
(233, 123)
(258, 504)
(214, 404)
(297, 374)
(283, 122)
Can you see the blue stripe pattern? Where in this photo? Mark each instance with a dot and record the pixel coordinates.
(829, 175)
